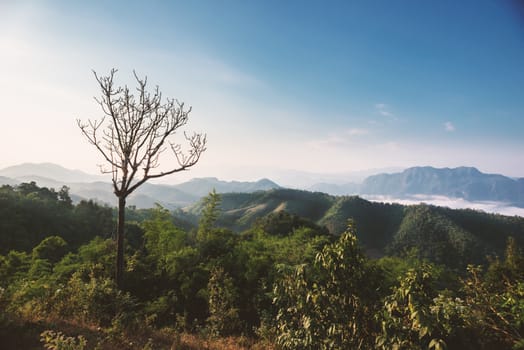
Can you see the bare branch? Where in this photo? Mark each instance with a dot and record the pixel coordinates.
(135, 130)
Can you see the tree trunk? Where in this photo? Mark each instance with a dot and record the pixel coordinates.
(119, 276)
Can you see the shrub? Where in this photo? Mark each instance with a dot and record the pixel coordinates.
(57, 341)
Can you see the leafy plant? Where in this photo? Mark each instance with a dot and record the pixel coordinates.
(58, 341)
(223, 317)
(328, 305)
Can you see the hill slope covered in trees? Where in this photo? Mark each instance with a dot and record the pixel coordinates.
(440, 233)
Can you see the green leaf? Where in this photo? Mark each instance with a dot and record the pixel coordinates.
(437, 344)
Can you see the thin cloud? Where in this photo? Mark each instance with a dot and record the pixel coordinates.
(449, 126)
(383, 110)
(339, 139)
(356, 132)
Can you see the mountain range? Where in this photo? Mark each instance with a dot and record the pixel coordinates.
(443, 233)
(86, 186)
(463, 182)
(467, 183)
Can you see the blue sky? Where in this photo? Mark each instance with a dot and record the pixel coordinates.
(317, 86)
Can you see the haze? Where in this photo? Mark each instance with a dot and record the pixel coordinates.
(323, 87)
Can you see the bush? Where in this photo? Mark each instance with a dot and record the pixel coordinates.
(57, 341)
(92, 299)
(223, 315)
(328, 305)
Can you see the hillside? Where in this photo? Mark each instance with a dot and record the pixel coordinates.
(202, 186)
(443, 233)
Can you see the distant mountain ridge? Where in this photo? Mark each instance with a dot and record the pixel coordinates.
(86, 186)
(49, 171)
(336, 189)
(462, 182)
(467, 183)
(202, 186)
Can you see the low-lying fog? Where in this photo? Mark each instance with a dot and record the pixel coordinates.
(455, 203)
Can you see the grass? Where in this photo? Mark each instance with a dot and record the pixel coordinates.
(22, 334)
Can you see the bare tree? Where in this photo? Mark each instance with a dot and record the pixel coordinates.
(134, 131)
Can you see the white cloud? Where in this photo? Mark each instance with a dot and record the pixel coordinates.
(449, 126)
(383, 110)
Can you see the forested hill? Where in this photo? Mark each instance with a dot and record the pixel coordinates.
(438, 233)
(29, 214)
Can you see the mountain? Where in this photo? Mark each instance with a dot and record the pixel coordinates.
(49, 171)
(41, 181)
(443, 235)
(202, 186)
(85, 186)
(336, 189)
(463, 182)
(168, 196)
(307, 180)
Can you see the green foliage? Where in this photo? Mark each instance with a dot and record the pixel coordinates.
(40, 268)
(223, 317)
(162, 310)
(57, 341)
(52, 249)
(441, 235)
(259, 256)
(209, 216)
(284, 277)
(283, 223)
(435, 237)
(499, 313)
(162, 238)
(499, 272)
(98, 252)
(241, 210)
(30, 298)
(29, 213)
(91, 220)
(486, 314)
(394, 267)
(91, 298)
(375, 222)
(327, 305)
(407, 321)
(13, 267)
(63, 196)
